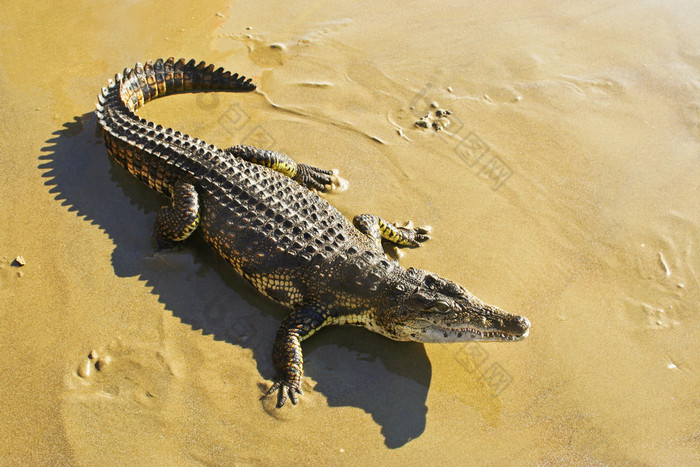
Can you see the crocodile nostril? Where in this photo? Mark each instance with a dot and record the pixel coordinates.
(518, 325)
(524, 323)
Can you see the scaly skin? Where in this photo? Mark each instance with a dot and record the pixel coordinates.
(261, 212)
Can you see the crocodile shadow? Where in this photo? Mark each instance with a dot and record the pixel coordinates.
(389, 380)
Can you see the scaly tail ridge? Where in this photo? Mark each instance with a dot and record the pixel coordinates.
(146, 82)
(151, 80)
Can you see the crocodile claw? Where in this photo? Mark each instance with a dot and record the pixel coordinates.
(284, 391)
(314, 178)
(416, 234)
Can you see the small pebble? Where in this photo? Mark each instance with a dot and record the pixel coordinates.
(93, 354)
(440, 124)
(20, 260)
(423, 122)
(102, 363)
(85, 369)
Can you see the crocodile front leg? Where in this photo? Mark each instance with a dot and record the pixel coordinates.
(377, 229)
(176, 222)
(287, 356)
(306, 175)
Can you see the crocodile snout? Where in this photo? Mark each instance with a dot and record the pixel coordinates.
(519, 326)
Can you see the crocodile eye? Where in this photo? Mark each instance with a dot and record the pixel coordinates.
(441, 307)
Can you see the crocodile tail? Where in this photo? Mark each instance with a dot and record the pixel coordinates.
(148, 81)
(156, 146)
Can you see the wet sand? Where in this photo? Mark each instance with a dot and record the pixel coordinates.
(564, 187)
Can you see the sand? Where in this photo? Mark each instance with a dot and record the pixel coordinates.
(562, 186)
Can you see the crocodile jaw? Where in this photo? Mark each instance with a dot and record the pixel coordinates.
(425, 331)
(436, 334)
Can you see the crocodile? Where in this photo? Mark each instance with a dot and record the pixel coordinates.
(262, 212)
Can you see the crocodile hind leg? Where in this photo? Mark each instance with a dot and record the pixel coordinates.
(177, 221)
(378, 229)
(306, 175)
(287, 356)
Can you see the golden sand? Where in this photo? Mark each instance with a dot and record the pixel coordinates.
(562, 185)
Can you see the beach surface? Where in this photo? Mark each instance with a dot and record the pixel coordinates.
(561, 184)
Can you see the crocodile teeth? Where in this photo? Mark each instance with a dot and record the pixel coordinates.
(486, 334)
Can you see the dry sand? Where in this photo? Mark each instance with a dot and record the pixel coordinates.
(565, 188)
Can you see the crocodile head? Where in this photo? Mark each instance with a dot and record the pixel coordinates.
(433, 309)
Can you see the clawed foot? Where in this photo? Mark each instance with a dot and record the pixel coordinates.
(284, 391)
(314, 178)
(414, 235)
